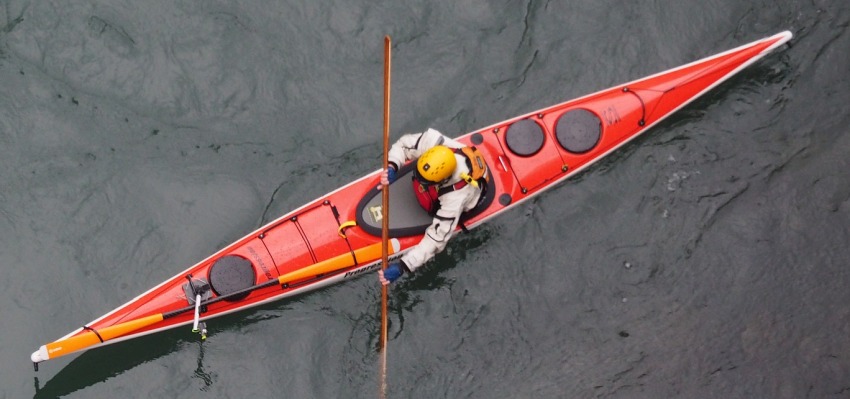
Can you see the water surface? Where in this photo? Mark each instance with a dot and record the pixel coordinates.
(706, 259)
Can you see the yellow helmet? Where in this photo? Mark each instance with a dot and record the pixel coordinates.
(436, 164)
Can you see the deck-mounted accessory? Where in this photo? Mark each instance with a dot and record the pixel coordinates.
(197, 290)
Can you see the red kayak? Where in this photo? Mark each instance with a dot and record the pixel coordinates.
(338, 236)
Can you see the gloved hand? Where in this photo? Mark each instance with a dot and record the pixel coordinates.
(391, 273)
(391, 174)
(388, 176)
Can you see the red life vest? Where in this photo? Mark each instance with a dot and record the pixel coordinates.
(428, 195)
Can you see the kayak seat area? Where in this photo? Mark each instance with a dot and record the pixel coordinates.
(230, 274)
(407, 217)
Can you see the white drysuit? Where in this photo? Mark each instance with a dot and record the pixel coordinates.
(452, 203)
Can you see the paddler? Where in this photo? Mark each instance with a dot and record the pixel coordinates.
(449, 180)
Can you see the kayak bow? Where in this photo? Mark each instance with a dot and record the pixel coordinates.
(338, 236)
(91, 337)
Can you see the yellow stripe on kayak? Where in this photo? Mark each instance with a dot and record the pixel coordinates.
(363, 255)
(89, 338)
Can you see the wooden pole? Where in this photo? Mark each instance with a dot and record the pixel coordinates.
(385, 207)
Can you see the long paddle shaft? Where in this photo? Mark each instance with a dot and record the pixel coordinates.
(385, 215)
(385, 200)
(92, 337)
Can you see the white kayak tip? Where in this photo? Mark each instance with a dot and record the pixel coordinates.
(40, 355)
(395, 244)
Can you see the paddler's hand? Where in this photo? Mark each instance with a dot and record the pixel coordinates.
(388, 176)
(391, 273)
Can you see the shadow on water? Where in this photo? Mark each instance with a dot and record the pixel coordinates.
(406, 293)
(96, 366)
(100, 365)
(431, 277)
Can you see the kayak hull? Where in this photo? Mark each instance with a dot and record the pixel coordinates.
(526, 155)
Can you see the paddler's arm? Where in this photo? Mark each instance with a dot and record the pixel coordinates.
(411, 146)
(434, 241)
(439, 233)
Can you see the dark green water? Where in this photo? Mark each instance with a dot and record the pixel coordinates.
(708, 259)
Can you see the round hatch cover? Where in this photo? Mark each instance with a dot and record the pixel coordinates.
(578, 130)
(524, 137)
(230, 274)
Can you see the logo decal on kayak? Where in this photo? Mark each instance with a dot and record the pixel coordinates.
(372, 267)
(260, 262)
(363, 270)
(377, 214)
